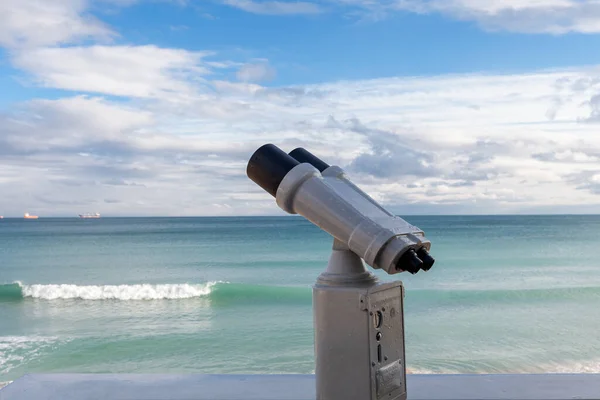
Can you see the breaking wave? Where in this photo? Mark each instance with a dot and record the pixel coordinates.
(18, 290)
(217, 292)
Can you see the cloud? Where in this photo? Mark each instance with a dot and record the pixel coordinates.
(524, 16)
(31, 23)
(587, 180)
(527, 16)
(275, 7)
(121, 182)
(74, 124)
(134, 71)
(595, 109)
(256, 72)
(387, 156)
(81, 150)
(93, 128)
(177, 139)
(573, 155)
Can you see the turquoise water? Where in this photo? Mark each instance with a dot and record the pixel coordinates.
(232, 295)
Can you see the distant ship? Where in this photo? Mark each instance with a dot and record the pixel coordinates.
(89, 215)
(27, 216)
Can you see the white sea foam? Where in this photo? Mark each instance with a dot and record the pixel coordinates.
(117, 292)
(418, 371)
(577, 367)
(583, 367)
(16, 350)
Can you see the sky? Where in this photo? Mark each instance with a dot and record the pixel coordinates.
(153, 107)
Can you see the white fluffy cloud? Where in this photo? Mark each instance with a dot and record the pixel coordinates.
(136, 71)
(256, 72)
(473, 143)
(275, 7)
(530, 16)
(30, 23)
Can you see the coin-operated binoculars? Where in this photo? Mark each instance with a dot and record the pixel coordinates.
(358, 321)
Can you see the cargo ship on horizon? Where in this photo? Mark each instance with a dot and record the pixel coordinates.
(89, 215)
(27, 216)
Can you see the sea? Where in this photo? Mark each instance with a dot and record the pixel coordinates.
(508, 294)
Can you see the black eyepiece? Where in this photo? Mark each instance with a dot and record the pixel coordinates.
(305, 156)
(268, 166)
(428, 261)
(409, 262)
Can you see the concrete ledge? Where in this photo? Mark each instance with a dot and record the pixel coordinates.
(292, 387)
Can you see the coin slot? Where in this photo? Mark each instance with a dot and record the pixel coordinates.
(377, 319)
(379, 353)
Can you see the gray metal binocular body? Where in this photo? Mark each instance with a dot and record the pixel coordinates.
(325, 196)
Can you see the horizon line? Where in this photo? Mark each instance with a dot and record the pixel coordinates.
(299, 216)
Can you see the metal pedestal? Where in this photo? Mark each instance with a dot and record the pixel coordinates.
(359, 332)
